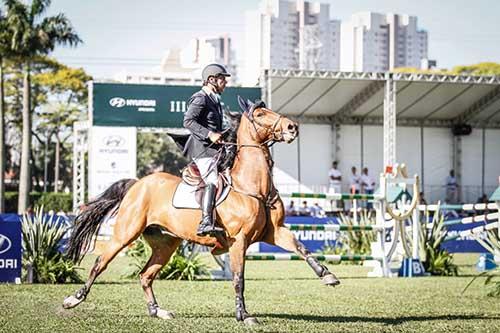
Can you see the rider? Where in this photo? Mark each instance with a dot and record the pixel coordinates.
(203, 119)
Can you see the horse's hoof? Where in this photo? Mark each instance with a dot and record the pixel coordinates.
(250, 321)
(165, 314)
(330, 280)
(71, 301)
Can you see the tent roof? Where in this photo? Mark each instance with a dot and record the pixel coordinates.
(357, 97)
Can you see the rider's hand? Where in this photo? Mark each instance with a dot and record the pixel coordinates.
(215, 137)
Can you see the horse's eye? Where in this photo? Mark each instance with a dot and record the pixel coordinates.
(259, 114)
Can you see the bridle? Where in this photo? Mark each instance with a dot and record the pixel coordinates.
(271, 197)
(276, 135)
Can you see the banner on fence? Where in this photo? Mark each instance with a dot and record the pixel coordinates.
(10, 249)
(318, 240)
(143, 105)
(112, 156)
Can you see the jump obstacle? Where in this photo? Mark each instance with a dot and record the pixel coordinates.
(382, 251)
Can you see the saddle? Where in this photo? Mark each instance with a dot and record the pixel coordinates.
(189, 192)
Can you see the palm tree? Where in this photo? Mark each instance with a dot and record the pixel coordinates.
(4, 53)
(33, 35)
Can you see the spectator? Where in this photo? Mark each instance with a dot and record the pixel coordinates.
(354, 184)
(317, 211)
(483, 199)
(368, 186)
(451, 188)
(422, 199)
(354, 181)
(304, 210)
(335, 179)
(291, 210)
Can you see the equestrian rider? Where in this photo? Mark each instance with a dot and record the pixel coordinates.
(203, 119)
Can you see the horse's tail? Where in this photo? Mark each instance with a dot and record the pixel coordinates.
(87, 223)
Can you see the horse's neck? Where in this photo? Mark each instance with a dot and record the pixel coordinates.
(251, 172)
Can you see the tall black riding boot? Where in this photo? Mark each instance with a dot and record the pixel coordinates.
(207, 224)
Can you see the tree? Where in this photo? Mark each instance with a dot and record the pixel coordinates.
(482, 68)
(4, 51)
(157, 152)
(67, 91)
(33, 35)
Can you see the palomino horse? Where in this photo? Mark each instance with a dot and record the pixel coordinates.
(252, 212)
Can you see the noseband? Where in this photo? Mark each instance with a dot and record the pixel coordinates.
(276, 135)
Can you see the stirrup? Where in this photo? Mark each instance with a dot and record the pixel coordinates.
(210, 230)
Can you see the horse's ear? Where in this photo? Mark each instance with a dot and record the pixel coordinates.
(243, 104)
(260, 103)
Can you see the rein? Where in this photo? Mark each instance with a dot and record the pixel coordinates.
(271, 197)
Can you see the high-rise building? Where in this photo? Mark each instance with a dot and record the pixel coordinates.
(290, 35)
(373, 42)
(170, 71)
(184, 66)
(206, 50)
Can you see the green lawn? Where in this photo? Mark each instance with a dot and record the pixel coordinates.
(285, 296)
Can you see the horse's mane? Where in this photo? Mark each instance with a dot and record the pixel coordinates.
(232, 122)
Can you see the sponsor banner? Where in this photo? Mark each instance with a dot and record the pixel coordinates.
(112, 156)
(469, 244)
(139, 105)
(315, 241)
(10, 248)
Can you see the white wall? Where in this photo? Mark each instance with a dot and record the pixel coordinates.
(349, 153)
(373, 150)
(286, 172)
(409, 148)
(317, 151)
(492, 160)
(438, 161)
(471, 165)
(315, 159)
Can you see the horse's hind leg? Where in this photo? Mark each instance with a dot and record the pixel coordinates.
(118, 242)
(162, 246)
(285, 239)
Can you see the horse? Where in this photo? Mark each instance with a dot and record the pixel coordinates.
(252, 212)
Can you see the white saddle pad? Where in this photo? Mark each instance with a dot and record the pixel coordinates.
(184, 196)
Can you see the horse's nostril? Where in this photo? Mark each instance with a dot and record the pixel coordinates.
(291, 127)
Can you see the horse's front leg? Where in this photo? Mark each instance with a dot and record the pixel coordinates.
(285, 239)
(237, 259)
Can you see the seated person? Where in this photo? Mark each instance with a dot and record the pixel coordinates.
(483, 199)
(304, 209)
(317, 211)
(291, 210)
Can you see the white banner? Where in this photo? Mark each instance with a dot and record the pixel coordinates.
(112, 156)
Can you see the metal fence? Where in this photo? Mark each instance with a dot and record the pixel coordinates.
(432, 193)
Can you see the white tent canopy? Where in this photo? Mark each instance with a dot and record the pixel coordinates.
(422, 99)
(341, 116)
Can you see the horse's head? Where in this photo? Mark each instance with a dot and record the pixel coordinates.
(268, 126)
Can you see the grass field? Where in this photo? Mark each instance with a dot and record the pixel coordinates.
(285, 296)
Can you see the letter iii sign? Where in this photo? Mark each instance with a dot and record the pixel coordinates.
(140, 105)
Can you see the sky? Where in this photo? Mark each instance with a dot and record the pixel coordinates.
(134, 35)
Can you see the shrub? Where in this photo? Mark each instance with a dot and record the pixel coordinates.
(180, 266)
(434, 259)
(11, 199)
(42, 259)
(357, 242)
(492, 281)
(56, 201)
(352, 242)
